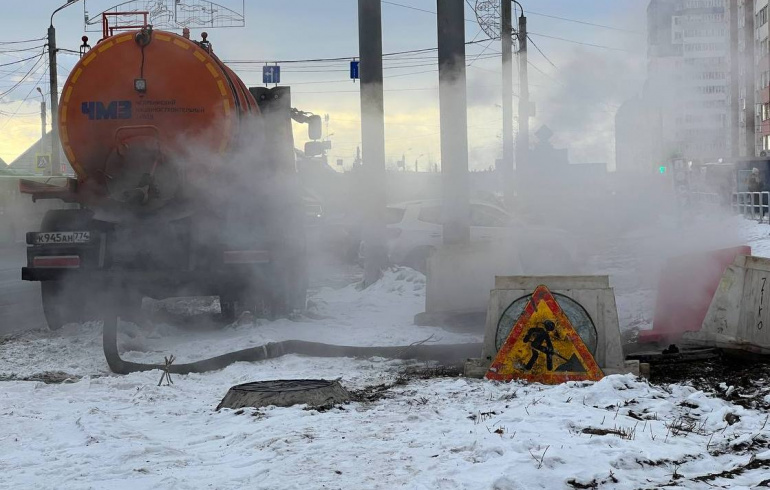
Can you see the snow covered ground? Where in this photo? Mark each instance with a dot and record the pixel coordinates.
(106, 431)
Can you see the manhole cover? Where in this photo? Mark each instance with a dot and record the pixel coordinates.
(285, 393)
(576, 314)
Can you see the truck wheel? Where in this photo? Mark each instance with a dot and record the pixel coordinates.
(62, 303)
(232, 309)
(228, 308)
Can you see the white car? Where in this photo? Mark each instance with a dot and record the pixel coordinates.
(414, 231)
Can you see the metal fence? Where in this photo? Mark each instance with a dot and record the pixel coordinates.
(705, 201)
(753, 205)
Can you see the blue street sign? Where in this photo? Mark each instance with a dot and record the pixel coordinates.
(354, 70)
(271, 74)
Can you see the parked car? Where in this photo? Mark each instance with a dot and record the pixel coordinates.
(415, 230)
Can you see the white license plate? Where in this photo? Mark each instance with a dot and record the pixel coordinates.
(62, 237)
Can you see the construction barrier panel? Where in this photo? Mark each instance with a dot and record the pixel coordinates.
(588, 301)
(738, 317)
(686, 287)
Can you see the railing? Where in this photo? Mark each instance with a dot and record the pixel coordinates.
(707, 201)
(754, 205)
(108, 30)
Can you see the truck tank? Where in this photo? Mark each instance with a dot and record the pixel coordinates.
(143, 106)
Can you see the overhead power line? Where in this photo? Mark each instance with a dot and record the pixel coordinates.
(544, 73)
(24, 114)
(21, 50)
(432, 70)
(20, 61)
(422, 10)
(22, 42)
(541, 51)
(24, 78)
(16, 112)
(346, 58)
(529, 12)
(400, 66)
(358, 91)
(592, 24)
(601, 46)
(482, 52)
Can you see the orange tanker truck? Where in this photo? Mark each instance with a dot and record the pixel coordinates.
(185, 181)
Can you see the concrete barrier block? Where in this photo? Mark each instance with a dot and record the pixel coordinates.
(558, 282)
(738, 317)
(629, 367)
(593, 293)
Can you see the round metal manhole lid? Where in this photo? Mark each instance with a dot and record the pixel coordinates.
(284, 385)
(576, 314)
(285, 393)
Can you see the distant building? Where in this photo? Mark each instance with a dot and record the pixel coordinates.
(697, 103)
(745, 81)
(26, 163)
(689, 78)
(762, 76)
(634, 151)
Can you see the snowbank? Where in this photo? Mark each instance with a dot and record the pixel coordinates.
(126, 432)
(105, 431)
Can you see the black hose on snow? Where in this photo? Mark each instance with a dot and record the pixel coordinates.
(444, 353)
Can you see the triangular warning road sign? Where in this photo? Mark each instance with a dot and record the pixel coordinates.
(544, 347)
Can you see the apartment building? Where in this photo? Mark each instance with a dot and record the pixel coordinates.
(762, 76)
(689, 89)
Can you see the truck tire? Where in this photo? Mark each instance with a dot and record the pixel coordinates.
(64, 301)
(228, 308)
(233, 306)
(60, 305)
(285, 295)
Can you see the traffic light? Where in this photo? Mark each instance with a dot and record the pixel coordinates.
(662, 169)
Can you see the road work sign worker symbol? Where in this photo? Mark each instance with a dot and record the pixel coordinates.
(544, 347)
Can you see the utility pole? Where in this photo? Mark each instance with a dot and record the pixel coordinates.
(42, 115)
(372, 138)
(454, 120)
(54, 89)
(506, 34)
(522, 137)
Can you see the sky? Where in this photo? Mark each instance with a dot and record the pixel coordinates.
(576, 87)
